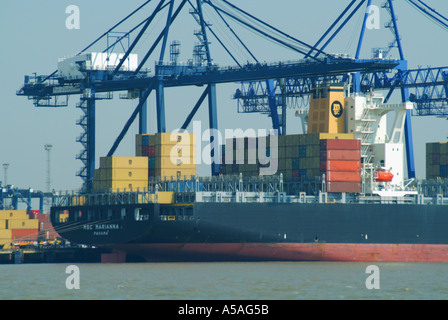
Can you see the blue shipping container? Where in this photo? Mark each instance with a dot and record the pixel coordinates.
(443, 171)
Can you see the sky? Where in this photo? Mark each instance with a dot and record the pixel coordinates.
(34, 36)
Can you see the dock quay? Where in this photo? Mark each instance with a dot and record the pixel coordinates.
(52, 255)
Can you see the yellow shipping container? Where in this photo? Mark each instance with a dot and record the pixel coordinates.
(6, 234)
(130, 174)
(176, 151)
(23, 224)
(124, 162)
(2, 224)
(13, 214)
(174, 163)
(169, 138)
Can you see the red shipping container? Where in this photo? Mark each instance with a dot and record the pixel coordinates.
(42, 217)
(151, 151)
(350, 155)
(340, 165)
(295, 173)
(354, 187)
(24, 234)
(340, 144)
(343, 176)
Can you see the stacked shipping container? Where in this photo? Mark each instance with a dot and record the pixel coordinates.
(297, 155)
(165, 155)
(121, 173)
(340, 161)
(175, 155)
(15, 225)
(436, 160)
(243, 156)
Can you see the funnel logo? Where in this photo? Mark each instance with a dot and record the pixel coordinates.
(336, 109)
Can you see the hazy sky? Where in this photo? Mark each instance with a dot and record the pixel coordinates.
(34, 36)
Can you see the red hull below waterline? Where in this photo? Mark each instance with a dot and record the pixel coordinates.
(282, 252)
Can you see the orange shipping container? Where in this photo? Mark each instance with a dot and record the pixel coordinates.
(350, 155)
(343, 176)
(340, 144)
(24, 234)
(340, 165)
(47, 231)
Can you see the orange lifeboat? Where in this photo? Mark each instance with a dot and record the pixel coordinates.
(384, 176)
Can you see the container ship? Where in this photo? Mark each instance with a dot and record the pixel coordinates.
(337, 192)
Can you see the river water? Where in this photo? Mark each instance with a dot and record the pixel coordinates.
(225, 281)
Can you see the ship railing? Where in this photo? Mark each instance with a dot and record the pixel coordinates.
(255, 197)
(254, 189)
(61, 199)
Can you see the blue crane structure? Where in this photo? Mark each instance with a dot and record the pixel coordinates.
(298, 76)
(10, 197)
(430, 85)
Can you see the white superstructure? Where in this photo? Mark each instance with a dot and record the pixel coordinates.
(382, 144)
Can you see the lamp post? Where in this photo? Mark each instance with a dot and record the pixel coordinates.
(48, 149)
(5, 167)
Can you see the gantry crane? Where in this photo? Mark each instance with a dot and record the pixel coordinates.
(430, 85)
(81, 75)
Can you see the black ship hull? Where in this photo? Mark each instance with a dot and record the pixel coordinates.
(262, 231)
